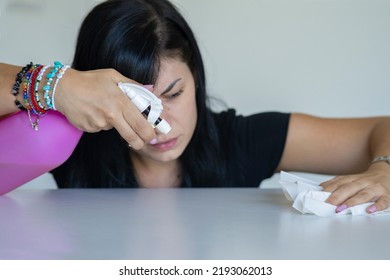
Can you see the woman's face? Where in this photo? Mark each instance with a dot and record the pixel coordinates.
(175, 87)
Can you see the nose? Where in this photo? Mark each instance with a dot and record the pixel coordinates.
(165, 115)
(165, 111)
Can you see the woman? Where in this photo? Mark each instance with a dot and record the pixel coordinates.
(150, 42)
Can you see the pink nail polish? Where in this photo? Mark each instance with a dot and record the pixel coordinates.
(372, 209)
(153, 141)
(148, 87)
(341, 208)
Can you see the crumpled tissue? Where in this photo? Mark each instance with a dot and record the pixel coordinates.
(309, 198)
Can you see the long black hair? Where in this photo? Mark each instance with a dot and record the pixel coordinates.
(132, 36)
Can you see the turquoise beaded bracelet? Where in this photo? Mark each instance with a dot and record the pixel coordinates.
(50, 76)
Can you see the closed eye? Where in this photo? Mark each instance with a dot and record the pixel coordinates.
(174, 95)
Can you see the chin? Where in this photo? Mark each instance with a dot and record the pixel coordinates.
(168, 156)
(165, 156)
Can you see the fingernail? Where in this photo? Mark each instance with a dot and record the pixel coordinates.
(153, 141)
(372, 209)
(341, 208)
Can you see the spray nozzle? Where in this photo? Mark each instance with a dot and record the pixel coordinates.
(148, 104)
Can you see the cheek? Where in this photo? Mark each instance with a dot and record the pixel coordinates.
(190, 122)
(181, 115)
(189, 114)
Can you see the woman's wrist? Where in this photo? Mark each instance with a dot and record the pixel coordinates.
(34, 89)
(381, 166)
(7, 81)
(64, 87)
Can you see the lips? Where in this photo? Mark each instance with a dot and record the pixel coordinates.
(166, 145)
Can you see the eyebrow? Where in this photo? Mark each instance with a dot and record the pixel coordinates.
(170, 86)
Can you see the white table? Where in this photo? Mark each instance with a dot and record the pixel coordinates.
(179, 224)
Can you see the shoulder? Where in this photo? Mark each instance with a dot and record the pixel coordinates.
(230, 119)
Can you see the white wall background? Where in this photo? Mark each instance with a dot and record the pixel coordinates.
(324, 57)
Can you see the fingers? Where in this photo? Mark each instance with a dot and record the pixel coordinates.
(97, 103)
(127, 120)
(120, 113)
(348, 191)
(134, 127)
(131, 125)
(342, 188)
(381, 204)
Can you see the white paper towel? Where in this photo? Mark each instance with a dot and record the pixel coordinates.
(309, 198)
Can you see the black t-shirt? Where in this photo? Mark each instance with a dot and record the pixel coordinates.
(253, 144)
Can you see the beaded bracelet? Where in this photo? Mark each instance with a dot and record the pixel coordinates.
(26, 85)
(28, 93)
(60, 74)
(18, 82)
(46, 89)
(30, 77)
(36, 89)
(36, 106)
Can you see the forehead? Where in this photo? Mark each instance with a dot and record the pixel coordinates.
(171, 68)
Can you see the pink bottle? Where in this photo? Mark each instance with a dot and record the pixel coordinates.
(26, 154)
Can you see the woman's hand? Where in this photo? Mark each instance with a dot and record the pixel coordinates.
(92, 101)
(373, 185)
(342, 146)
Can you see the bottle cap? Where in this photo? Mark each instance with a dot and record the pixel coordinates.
(142, 99)
(163, 126)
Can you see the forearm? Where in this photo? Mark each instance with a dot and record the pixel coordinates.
(379, 143)
(7, 79)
